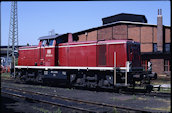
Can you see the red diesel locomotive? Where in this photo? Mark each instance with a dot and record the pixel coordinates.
(104, 64)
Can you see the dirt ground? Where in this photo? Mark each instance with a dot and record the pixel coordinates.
(155, 104)
(16, 105)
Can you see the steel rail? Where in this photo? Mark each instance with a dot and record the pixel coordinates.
(48, 102)
(79, 101)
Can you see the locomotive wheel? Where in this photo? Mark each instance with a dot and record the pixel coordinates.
(20, 78)
(23, 79)
(39, 79)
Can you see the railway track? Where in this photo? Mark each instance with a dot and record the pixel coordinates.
(76, 104)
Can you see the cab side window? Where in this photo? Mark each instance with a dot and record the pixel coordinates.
(47, 42)
(44, 42)
(50, 42)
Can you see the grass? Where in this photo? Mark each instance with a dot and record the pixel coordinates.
(168, 109)
(41, 110)
(114, 110)
(115, 99)
(59, 111)
(134, 97)
(7, 75)
(47, 111)
(165, 109)
(140, 98)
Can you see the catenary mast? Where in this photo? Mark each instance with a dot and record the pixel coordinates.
(13, 34)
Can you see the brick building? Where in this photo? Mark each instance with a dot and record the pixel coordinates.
(155, 39)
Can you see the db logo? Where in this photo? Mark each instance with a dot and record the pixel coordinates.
(48, 53)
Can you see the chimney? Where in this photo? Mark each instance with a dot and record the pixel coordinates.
(159, 31)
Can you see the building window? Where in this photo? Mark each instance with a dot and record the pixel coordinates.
(167, 65)
(167, 47)
(145, 64)
(155, 47)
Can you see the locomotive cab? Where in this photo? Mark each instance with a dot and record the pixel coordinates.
(49, 49)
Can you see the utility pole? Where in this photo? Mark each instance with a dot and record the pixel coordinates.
(13, 35)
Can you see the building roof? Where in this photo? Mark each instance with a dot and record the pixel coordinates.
(116, 23)
(5, 48)
(124, 17)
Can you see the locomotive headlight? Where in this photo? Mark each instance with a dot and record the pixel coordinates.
(129, 66)
(149, 66)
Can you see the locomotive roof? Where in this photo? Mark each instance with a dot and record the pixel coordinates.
(50, 36)
(99, 42)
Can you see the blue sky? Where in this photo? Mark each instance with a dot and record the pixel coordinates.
(36, 19)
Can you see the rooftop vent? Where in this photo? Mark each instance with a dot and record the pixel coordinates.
(124, 17)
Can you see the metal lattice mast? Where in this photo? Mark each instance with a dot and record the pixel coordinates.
(13, 32)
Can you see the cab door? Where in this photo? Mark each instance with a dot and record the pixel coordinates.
(49, 53)
(42, 53)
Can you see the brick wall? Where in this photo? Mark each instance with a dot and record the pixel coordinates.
(120, 32)
(115, 32)
(146, 39)
(142, 34)
(105, 33)
(92, 36)
(134, 33)
(158, 65)
(146, 34)
(82, 37)
(167, 35)
(146, 48)
(154, 34)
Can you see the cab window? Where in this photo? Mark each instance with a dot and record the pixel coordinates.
(47, 42)
(51, 42)
(44, 42)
